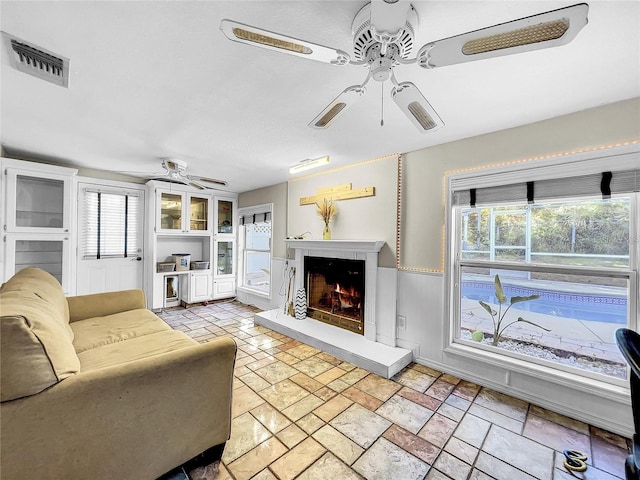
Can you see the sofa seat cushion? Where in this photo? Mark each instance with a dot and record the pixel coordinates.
(153, 344)
(36, 351)
(99, 331)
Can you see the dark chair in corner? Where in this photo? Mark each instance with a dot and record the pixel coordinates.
(629, 344)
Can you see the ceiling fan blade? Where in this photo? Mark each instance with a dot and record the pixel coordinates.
(415, 107)
(197, 185)
(208, 180)
(239, 32)
(544, 30)
(339, 104)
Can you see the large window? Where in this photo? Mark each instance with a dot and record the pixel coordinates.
(255, 249)
(110, 225)
(550, 276)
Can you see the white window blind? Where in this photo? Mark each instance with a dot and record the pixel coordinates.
(110, 224)
(603, 183)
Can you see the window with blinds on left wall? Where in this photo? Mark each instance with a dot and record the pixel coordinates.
(109, 225)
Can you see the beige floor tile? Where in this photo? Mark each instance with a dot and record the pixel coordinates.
(257, 459)
(452, 466)
(291, 436)
(413, 444)
(379, 387)
(338, 385)
(420, 398)
(270, 417)
(302, 351)
(520, 452)
(465, 452)
(329, 358)
(325, 393)
(496, 418)
(440, 389)
(438, 430)
(559, 419)
(301, 408)
(385, 460)
(504, 404)
(246, 434)
(254, 381)
(472, 430)
(306, 382)
(367, 401)
(353, 376)
(328, 467)
(276, 372)
(498, 469)
(405, 413)
(414, 379)
(330, 375)
(338, 444)
(264, 475)
(333, 407)
(296, 460)
(286, 358)
(556, 436)
(283, 394)
(360, 425)
(244, 399)
(313, 366)
(310, 423)
(451, 412)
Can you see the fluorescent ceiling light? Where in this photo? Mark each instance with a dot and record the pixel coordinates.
(308, 164)
(415, 107)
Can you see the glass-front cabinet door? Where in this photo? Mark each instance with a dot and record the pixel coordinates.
(224, 258)
(170, 210)
(37, 202)
(49, 253)
(225, 212)
(198, 213)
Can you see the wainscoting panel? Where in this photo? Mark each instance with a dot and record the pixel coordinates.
(421, 306)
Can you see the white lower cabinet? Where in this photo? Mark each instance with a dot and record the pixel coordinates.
(198, 288)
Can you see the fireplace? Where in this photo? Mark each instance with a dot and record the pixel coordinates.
(335, 291)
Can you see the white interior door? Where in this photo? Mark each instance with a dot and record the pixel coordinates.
(110, 238)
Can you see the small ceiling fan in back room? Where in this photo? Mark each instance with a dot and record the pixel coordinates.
(383, 38)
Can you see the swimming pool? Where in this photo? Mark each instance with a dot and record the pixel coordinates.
(588, 306)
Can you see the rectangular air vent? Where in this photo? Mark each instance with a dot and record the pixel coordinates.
(37, 61)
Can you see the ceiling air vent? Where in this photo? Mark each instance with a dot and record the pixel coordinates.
(37, 61)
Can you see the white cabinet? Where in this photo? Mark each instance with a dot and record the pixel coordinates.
(198, 288)
(51, 253)
(225, 215)
(182, 212)
(37, 202)
(224, 270)
(38, 213)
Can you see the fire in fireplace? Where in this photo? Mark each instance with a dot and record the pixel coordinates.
(335, 291)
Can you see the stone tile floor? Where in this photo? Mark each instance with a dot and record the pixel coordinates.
(299, 413)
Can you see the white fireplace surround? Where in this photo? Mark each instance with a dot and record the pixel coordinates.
(376, 350)
(350, 250)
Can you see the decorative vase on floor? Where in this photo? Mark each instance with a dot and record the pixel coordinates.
(301, 304)
(326, 233)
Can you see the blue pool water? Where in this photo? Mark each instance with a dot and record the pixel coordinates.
(592, 307)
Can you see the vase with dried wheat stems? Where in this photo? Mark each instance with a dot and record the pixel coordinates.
(327, 210)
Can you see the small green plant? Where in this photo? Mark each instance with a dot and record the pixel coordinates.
(499, 316)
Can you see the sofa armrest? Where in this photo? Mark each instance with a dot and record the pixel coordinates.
(102, 304)
(136, 420)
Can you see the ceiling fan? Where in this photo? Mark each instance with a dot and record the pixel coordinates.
(175, 171)
(383, 38)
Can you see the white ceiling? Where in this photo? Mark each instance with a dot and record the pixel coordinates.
(151, 79)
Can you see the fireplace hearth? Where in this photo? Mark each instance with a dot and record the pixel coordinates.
(336, 291)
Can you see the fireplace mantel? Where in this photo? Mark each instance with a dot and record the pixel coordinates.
(365, 246)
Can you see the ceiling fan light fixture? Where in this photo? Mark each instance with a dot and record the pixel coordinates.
(416, 108)
(309, 164)
(541, 32)
(247, 35)
(347, 98)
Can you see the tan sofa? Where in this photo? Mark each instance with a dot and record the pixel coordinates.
(98, 387)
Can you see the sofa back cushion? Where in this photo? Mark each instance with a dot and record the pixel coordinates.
(36, 342)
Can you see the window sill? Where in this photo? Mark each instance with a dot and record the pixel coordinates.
(251, 291)
(593, 386)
